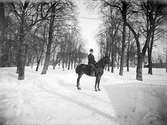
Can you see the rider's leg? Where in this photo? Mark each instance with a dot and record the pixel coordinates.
(93, 69)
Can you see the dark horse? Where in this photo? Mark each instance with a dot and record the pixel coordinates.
(86, 69)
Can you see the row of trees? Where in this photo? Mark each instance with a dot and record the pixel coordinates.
(131, 27)
(39, 32)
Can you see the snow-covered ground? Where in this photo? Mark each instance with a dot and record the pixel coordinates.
(53, 99)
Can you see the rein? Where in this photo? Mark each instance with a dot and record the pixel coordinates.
(100, 63)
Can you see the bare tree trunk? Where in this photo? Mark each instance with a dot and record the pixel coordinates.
(108, 48)
(113, 50)
(166, 58)
(39, 59)
(38, 62)
(150, 48)
(21, 51)
(127, 61)
(21, 65)
(54, 66)
(29, 59)
(112, 60)
(140, 55)
(48, 51)
(57, 61)
(2, 30)
(108, 69)
(166, 52)
(139, 67)
(63, 63)
(123, 50)
(68, 61)
(32, 62)
(128, 52)
(112, 55)
(72, 63)
(47, 59)
(2, 18)
(149, 62)
(124, 13)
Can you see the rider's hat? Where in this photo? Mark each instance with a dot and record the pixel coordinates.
(91, 50)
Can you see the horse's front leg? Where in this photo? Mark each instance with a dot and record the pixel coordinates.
(78, 79)
(98, 83)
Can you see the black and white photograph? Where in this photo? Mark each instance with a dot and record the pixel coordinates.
(83, 62)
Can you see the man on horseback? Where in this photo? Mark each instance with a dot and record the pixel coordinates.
(91, 62)
(92, 69)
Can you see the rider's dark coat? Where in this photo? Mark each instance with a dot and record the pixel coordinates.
(91, 59)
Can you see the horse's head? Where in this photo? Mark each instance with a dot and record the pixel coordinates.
(103, 61)
(106, 59)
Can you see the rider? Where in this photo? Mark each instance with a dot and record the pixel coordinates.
(91, 61)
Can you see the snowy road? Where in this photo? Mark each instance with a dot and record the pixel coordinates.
(53, 99)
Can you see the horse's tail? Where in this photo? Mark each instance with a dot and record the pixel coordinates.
(77, 69)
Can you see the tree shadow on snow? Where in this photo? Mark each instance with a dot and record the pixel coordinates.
(3, 119)
(96, 97)
(144, 105)
(101, 113)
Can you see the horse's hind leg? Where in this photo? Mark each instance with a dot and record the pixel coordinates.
(78, 79)
(97, 83)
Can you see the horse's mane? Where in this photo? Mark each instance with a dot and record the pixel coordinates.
(100, 61)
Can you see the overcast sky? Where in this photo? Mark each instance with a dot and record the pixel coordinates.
(89, 22)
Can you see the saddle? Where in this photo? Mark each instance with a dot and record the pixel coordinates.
(92, 69)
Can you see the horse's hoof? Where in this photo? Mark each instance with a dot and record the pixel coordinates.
(79, 88)
(99, 89)
(95, 90)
